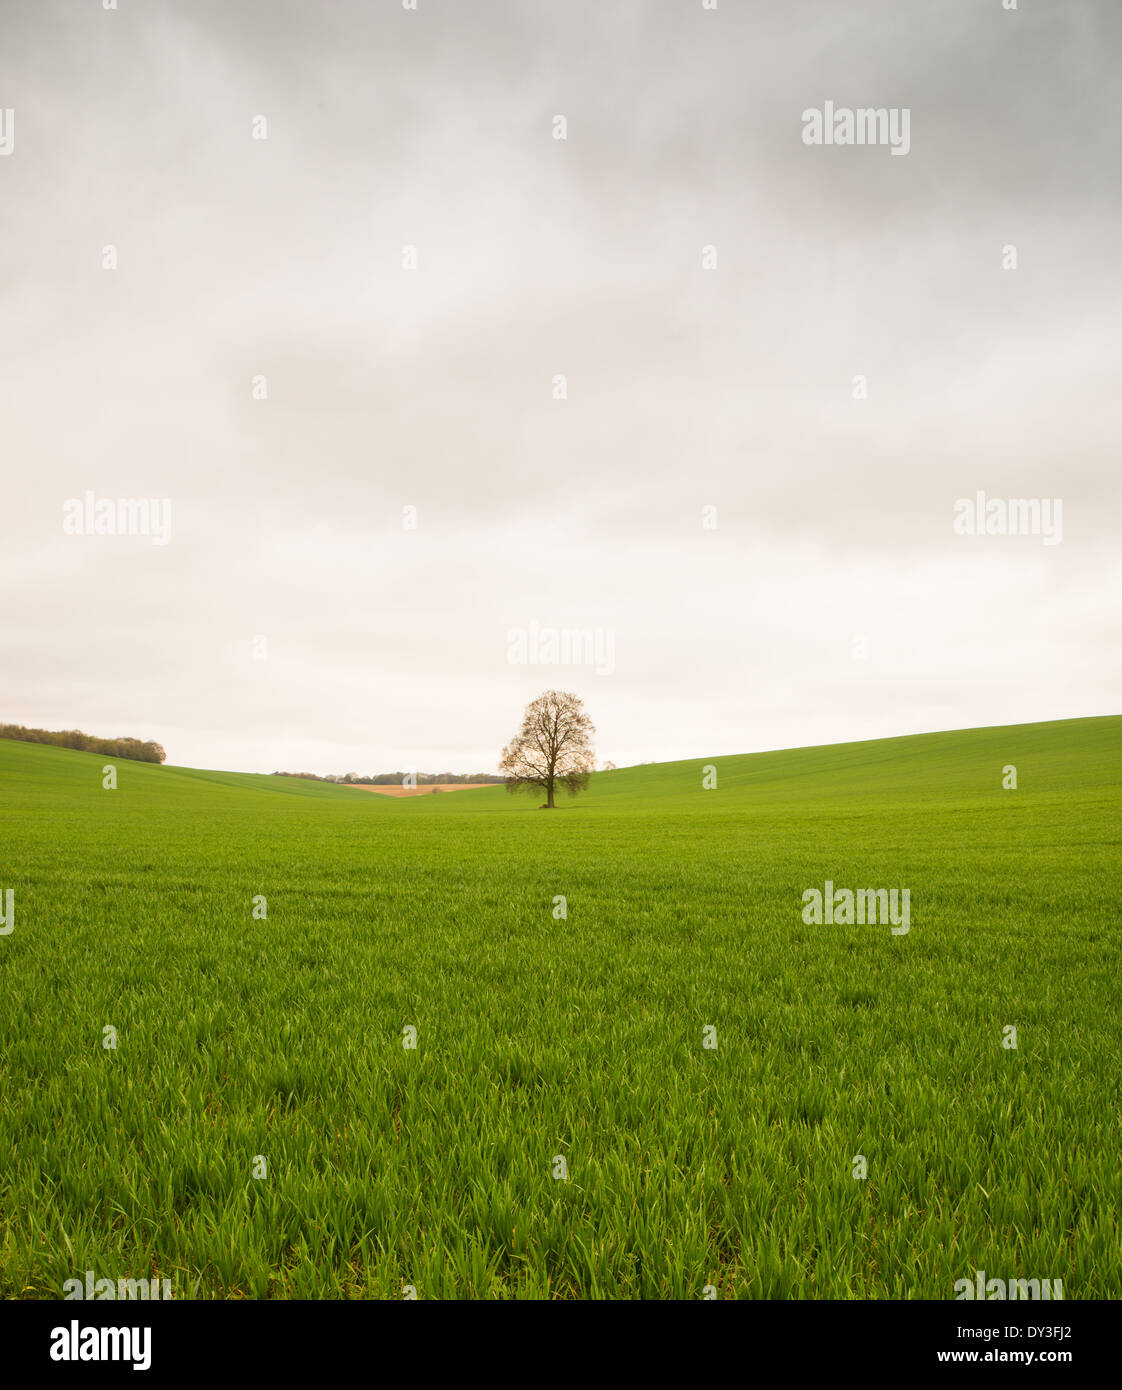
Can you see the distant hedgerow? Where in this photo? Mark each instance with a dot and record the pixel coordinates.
(397, 779)
(149, 752)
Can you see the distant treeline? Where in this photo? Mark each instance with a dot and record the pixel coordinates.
(149, 752)
(395, 779)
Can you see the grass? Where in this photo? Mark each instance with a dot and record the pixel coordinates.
(581, 1038)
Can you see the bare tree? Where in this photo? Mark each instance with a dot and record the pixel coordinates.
(554, 748)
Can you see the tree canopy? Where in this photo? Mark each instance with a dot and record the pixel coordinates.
(553, 748)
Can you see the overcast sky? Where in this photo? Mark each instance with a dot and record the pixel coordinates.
(729, 388)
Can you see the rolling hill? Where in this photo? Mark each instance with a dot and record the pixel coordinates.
(627, 985)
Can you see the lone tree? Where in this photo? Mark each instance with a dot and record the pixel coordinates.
(554, 748)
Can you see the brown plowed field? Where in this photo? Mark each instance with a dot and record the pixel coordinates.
(432, 787)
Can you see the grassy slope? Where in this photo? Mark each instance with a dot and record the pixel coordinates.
(583, 1037)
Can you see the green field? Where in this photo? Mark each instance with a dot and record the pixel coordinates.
(582, 1038)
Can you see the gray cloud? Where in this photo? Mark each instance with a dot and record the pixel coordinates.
(686, 387)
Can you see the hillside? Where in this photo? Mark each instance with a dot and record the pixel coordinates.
(1053, 759)
(260, 947)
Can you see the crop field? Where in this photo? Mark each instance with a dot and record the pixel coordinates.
(667, 1083)
(425, 790)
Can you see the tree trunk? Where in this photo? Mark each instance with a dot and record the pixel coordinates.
(549, 797)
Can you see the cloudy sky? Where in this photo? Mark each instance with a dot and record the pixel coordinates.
(832, 598)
